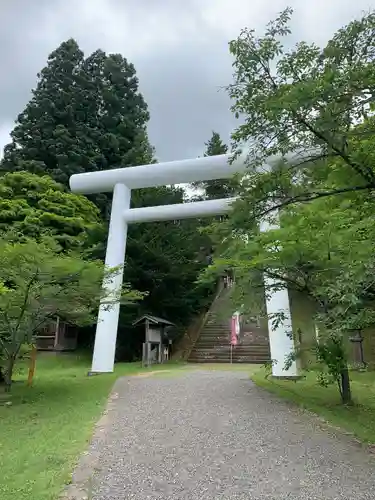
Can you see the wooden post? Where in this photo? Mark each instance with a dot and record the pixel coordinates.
(161, 345)
(143, 354)
(32, 365)
(57, 331)
(147, 331)
(147, 340)
(148, 353)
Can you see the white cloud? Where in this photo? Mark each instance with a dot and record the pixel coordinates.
(5, 130)
(179, 48)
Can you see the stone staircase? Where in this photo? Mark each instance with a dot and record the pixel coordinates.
(213, 344)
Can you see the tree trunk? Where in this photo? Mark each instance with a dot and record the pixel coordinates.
(8, 374)
(2, 377)
(346, 394)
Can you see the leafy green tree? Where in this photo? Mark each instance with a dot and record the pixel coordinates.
(37, 284)
(301, 99)
(214, 189)
(85, 115)
(219, 188)
(323, 251)
(320, 101)
(35, 206)
(164, 258)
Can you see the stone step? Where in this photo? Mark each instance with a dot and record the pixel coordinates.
(220, 338)
(227, 360)
(203, 346)
(212, 333)
(224, 351)
(212, 345)
(213, 342)
(222, 331)
(218, 328)
(220, 350)
(226, 348)
(210, 329)
(215, 322)
(215, 333)
(215, 329)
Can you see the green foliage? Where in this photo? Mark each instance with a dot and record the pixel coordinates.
(215, 189)
(219, 188)
(85, 115)
(35, 207)
(330, 354)
(296, 100)
(323, 250)
(39, 285)
(164, 259)
(306, 98)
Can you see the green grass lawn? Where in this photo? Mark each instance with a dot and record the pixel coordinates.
(325, 401)
(48, 425)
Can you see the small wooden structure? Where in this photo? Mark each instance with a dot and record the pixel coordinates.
(157, 343)
(57, 336)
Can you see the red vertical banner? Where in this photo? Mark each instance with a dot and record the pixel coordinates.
(233, 333)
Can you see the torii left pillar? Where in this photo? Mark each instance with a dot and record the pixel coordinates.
(109, 310)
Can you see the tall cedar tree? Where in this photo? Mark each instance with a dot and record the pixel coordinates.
(219, 188)
(84, 115)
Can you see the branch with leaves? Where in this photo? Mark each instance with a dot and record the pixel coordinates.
(39, 285)
(304, 98)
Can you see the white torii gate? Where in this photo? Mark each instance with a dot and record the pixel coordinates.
(121, 181)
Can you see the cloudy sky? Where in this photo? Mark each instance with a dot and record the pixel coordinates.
(179, 48)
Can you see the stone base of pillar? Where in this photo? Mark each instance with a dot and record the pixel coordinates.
(293, 378)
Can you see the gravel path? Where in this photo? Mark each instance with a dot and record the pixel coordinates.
(209, 435)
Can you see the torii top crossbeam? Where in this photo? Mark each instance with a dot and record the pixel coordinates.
(172, 172)
(121, 181)
(158, 174)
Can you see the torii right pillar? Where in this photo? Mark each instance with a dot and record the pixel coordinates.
(278, 306)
